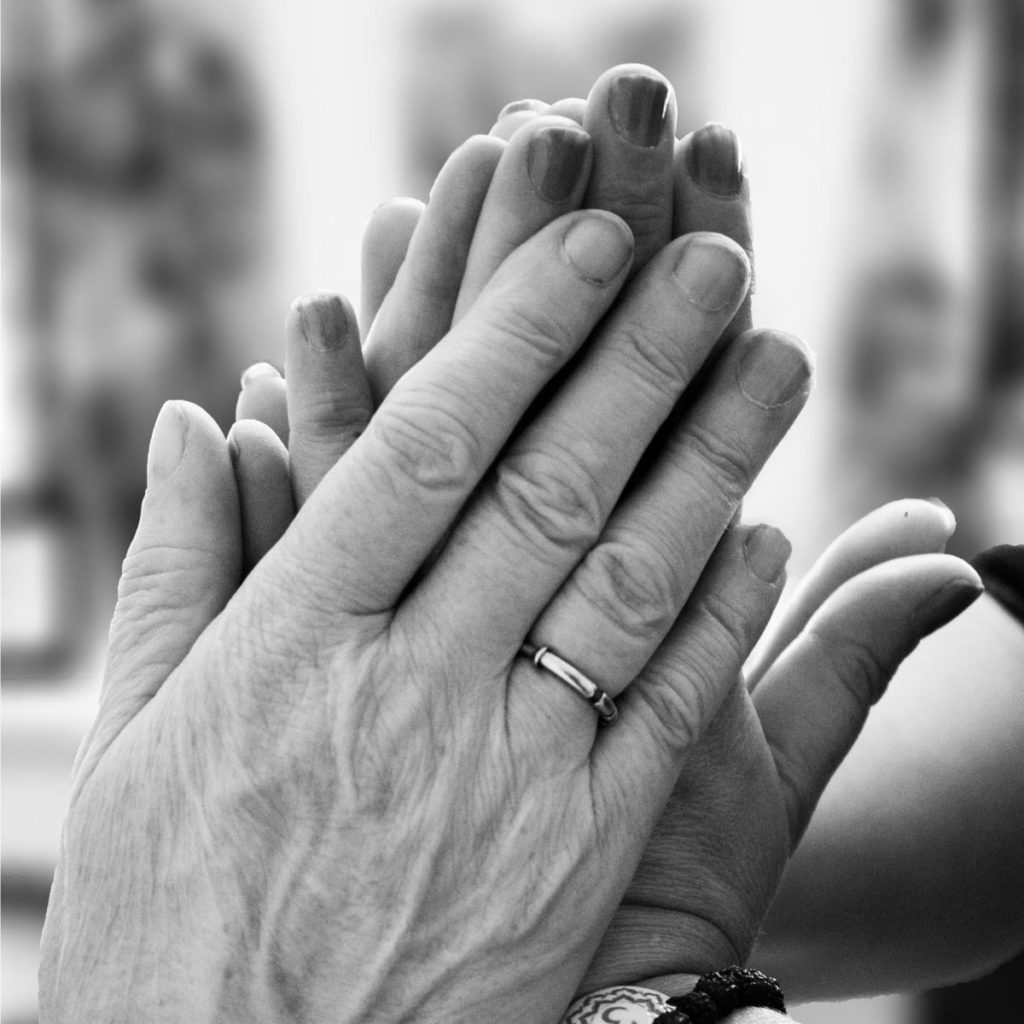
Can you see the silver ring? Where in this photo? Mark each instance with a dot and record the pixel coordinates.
(545, 658)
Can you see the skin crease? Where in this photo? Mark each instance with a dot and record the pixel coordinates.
(932, 572)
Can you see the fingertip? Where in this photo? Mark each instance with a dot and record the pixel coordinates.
(573, 107)
(766, 550)
(712, 269)
(638, 102)
(948, 518)
(516, 106)
(951, 598)
(259, 371)
(477, 157)
(167, 444)
(714, 161)
(263, 397)
(598, 245)
(325, 321)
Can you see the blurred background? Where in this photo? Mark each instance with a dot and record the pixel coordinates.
(175, 172)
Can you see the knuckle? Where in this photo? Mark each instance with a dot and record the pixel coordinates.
(637, 591)
(685, 684)
(328, 413)
(422, 440)
(550, 495)
(646, 214)
(536, 327)
(678, 708)
(856, 666)
(148, 573)
(652, 356)
(722, 461)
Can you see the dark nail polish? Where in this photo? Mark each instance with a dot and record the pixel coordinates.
(639, 108)
(555, 159)
(714, 161)
(767, 551)
(773, 370)
(323, 322)
(946, 604)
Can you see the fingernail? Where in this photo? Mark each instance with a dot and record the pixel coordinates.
(258, 370)
(167, 443)
(712, 272)
(948, 516)
(766, 552)
(715, 162)
(322, 321)
(517, 105)
(773, 370)
(554, 161)
(639, 107)
(947, 603)
(598, 245)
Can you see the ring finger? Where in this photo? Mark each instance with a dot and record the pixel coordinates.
(627, 592)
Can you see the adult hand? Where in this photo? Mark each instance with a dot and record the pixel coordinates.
(346, 795)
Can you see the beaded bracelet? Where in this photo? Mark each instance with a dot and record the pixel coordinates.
(714, 997)
(718, 993)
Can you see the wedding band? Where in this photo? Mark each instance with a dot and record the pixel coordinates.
(545, 658)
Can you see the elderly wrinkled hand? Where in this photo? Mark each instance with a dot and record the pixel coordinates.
(348, 793)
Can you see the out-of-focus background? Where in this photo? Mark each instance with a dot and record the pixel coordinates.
(175, 172)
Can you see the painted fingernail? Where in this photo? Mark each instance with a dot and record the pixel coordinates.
(323, 322)
(170, 432)
(639, 108)
(714, 160)
(766, 552)
(947, 603)
(555, 158)
(599, 245)
(258, 370)
(518, 105)
(773, 369)
(713, 272)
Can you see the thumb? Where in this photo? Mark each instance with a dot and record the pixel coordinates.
(182, 566)
(910, 526)
(814, 700)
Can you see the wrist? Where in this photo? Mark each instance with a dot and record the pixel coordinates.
(735, 995)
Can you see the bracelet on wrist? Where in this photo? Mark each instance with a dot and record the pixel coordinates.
(715, 996)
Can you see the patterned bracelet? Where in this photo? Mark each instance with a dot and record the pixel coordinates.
(713, 998)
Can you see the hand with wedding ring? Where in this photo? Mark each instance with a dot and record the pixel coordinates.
(350, 772)
(484, 195)
(359, 800)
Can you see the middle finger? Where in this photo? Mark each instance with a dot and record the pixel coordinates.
(557, 483)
